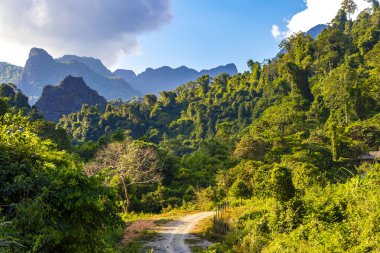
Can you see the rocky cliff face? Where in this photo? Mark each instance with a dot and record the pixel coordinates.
(41, 70)
(67, 97)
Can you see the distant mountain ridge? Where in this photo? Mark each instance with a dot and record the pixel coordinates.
(10, 73)
(67, 97)
(151, 80)
(41, 70)
(167, 78)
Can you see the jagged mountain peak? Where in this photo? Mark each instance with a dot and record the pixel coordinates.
(67, 97)
(41, 70)
(39, 52)
(71, 82)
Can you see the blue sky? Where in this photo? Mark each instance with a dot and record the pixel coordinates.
(136, 34)
(207, 33)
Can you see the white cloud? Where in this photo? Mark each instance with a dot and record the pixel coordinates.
(316, 12)
(276, 31)
(100, 28)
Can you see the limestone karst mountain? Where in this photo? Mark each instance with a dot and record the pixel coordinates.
(67, 97)
(41, 70)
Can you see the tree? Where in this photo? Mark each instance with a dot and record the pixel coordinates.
(204, 84)
(340, 20)
(253, 148)
(225, 130)
(373, 61)
(239, 189)
(168, 98)
(282, 184)
(150, 99)
(127, 163)
(350, 7)
(255, 68)
(299, 80)
(375, 3)
(3, 107)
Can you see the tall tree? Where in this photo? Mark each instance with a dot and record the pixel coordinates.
(350, 7)
(239, 189)
(282, 184)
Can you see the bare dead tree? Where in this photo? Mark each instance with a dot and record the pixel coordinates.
(128, 163)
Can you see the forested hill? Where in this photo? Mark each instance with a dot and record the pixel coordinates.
(279, 143)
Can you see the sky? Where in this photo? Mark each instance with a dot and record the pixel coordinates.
(137, 34)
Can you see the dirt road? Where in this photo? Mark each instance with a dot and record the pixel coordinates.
(172, 236)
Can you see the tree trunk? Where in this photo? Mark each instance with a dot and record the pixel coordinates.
(126, 203)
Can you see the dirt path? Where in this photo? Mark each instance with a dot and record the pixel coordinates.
(172, 236)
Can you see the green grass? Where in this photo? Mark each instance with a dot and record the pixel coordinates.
(162, 221)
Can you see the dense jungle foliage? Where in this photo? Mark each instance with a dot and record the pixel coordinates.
(283, 138)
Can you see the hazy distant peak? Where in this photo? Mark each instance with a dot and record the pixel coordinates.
(93, 63)
(168, 78)
(125, 74)
(9, 64)
(71, 56)
(72, 82)
(316, 30)
(231, 65)
(40, 53)
(229, 69)
(10, 73)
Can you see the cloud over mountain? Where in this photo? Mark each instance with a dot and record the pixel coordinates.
(101, 28)
(316, 12)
